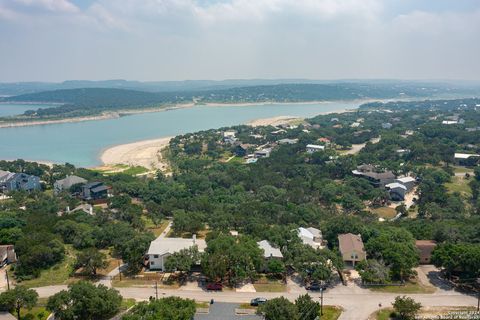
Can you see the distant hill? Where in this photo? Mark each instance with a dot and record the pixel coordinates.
(91, 101)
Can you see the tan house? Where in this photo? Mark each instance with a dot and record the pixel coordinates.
(425, 248)
(7, 254)
(351, 248)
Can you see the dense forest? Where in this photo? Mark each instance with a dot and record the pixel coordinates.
(269, 199)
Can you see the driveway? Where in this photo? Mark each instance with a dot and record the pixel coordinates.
(3, 280)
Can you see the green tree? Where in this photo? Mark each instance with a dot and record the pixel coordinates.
(17, 298)
(170, 308)
(406, 308)
(85, 301)
(395, 246)
(276, 266)
(373, 271)
(90, 260)
(278, 309)
(182, 260)
(307, 308)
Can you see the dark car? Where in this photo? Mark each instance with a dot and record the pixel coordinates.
(214, 286)
(257, 301)
(314, 287)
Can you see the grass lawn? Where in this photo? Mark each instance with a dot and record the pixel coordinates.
(202, 304)
(383, 314)
(385, 212)
(458, 169)
(120, 168)
(39, 312)
(247, 306)
(127, 304)
(157, 230)
(126, 283)
(270, 287)
(331, 313)
(409, 287)
(58, 274)
(237, 160)
(459, 184)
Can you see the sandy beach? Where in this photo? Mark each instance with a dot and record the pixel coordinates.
(274, 121)
(148, 153)
(145, 153)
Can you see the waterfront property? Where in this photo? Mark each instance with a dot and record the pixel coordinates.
(18, 182)
(67, 183)
(95, 191)
(351, 248)
(161, 248)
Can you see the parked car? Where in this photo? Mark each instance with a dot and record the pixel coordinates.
(314, 287)
(257, 301)
(214, 286)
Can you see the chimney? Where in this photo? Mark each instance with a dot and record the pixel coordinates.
(194, 237)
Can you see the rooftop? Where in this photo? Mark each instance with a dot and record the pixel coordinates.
(350, 242)
(162, 246)
(269, 250)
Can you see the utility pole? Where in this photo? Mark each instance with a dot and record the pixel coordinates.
(119, 271)
(156, 290)
(321, 302)
(8, 280)
(478, 295)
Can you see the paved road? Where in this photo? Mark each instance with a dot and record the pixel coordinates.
(358, 303)
(224, 311)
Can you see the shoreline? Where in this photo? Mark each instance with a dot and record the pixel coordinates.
(103, 116)
(147, 153)
(126, 112)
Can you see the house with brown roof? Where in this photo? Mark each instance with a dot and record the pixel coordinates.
(425, 248)
(351, 248)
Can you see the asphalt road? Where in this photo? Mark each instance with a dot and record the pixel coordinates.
(357, 303)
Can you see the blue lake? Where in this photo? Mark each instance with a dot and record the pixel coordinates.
(81, 143)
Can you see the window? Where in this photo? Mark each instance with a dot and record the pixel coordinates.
(155, 256)
(152, 263)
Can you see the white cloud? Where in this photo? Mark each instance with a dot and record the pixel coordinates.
(51, 5)
(180, 39)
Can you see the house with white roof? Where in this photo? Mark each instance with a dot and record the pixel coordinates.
(466, 159)
(408, 182)
(161, 248)
(269, 251)
(311, 148)
(311, 237)
(396, 190)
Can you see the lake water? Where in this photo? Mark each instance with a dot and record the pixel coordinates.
(81, 143)
(13, 109)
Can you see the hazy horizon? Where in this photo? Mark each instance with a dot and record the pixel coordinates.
(181, 40)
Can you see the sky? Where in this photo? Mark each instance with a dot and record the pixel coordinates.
(149, 40)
